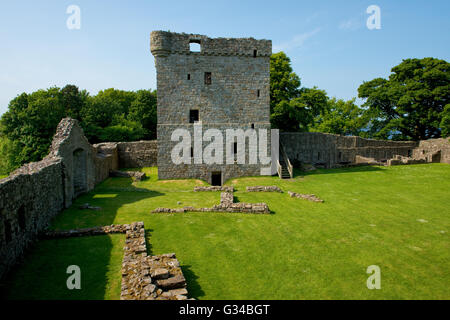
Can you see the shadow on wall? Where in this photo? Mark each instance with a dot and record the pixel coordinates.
(42, 272)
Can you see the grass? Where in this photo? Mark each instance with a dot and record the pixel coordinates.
(393, 217)
(3, 176)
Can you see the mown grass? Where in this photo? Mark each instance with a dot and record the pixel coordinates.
(393, 217)
(3, 176)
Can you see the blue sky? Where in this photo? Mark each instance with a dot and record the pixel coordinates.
(327, 41)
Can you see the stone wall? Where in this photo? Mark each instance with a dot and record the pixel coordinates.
(434, 150)
(329, 150)
(137, 154)
(29, 198)
(33, 194)
(227, 83)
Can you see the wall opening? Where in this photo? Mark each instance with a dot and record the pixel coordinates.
(258, 93)
(79, 168)
(189, 76)
(192, 152)
(255, 53)
(409, 153)
(8, 232)
(208, 78)
(253, 126)
(195, 46)
(216, 178)
(21, 218)
(318, 155)
(193, 116)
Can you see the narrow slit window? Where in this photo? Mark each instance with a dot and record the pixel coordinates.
(235, 148)
(255, 53)
(192, 152)
(193, 116)
(253, 126)
(207, 78)
(258, 93)
(189, 76)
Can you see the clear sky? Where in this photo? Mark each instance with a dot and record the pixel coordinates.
(328, 41)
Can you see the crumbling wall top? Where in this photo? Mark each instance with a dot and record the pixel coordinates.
(163, 43)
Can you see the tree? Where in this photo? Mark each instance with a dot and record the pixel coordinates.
(292, 108)
(341, 117)
(445, 123)
(284, 83)
(31, 121)
(143, 111)
(410, 104)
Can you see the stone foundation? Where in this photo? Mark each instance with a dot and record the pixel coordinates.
(264, 189)
(143, 277)
(214, 188)
(309, 197)
(226, 205)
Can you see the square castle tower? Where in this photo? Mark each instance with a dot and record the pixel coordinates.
(224, 85)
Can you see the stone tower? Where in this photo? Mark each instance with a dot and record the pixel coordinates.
(223, 85)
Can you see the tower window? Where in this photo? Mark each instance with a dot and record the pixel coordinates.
(189, 76)
(192, 152)
(258, 93)
(193, 116)
(194, 46)
(253, 126)
(255, 52)
(235, 147)
(207, 77)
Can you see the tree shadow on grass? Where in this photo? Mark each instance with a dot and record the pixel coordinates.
(194, 289)
(42, 273)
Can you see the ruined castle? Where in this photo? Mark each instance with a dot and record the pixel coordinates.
(224, 85)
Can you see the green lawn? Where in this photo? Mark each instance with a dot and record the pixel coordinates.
(3, 176)
(395, 217)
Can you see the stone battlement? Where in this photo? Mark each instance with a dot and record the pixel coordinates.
(163, 43)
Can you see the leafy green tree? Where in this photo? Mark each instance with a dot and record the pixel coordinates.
(143, 111)
(341, 117)
(284, 83)
(121, 97)
(292, 108)
(410, 104)
(445, 123)
(8, 155)
(31, 121)
(73, 100)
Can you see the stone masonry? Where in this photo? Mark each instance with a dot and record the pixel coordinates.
(224, 86)
(143, 277)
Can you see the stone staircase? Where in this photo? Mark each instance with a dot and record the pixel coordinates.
(284, 169)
